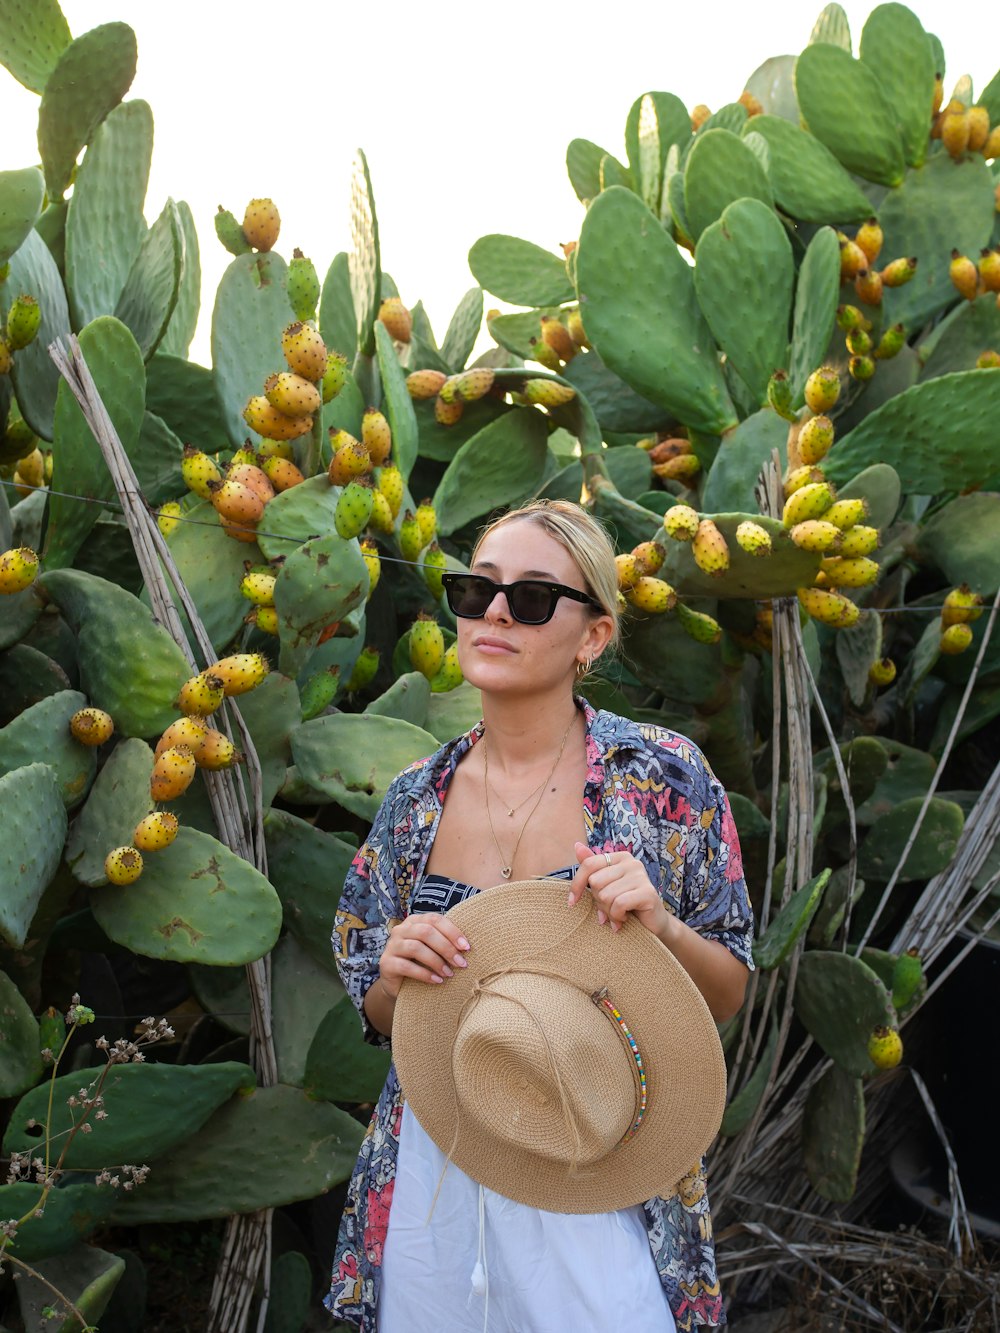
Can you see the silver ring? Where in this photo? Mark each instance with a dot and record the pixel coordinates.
(607, 857)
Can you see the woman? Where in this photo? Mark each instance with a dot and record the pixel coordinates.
(652, 836)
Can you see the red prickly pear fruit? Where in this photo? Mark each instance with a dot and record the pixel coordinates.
(869, 239)
(829, 607)
(258, 587)
(955, 639)
(217, 752)
(249, 474)
(779, 394)
(858, 540)
(858, 342)
(172, 774)
(652, 595)
(425, 384)
(369, 553)
(281, 473)
(376, 435)
(548, 393)
(334, 377)
(861, 367)
(426, 646)
(354, 508)
(364, 670)
(410, 543)
(91, 726)
(853, 259)
(753, 538)
(198, 470)
(699, 114)
(899, 272)
(979, 128)
(815, 439)
(435, 563)
(427, 519)
(628, 570)
(292, 395)
(988, 360)
(955, 132)
(698, 625)
(189, 731)
(882, 672)
(396, 318)
(230, 233)
(24, 319)
(156, 831)
(123, 865)
(450, 675)
(475, 384)
(649, 558)
(445, 413)
(961, 606)
(964, 275)
(989, 269)
(18, 569)
(382, 518)
(272, 424)
(891, 343)
(557, 336)
(236, 502)
(241, 673)
(574, 325)
(200, 695)
(681, 522)
(350, 461)
(261, 224)
(391, 484)
(709, 548)
(754, 106)
(868, 285)
(303, 286)
(885, 1047)
(304, 350)
(822, 390)
(544, 354)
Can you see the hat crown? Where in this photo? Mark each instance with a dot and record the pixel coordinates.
(536, 1060)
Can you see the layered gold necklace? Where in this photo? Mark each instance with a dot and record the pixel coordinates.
(507, 867)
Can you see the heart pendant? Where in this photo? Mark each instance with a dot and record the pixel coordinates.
(505, 871)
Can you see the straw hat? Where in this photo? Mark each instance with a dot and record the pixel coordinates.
(567, 1067)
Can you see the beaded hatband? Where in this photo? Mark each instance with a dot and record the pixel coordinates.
(600, 998)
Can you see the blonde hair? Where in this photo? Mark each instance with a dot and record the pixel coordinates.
(583, 537)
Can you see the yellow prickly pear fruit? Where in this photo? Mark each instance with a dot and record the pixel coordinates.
(853, 259)
(955, 639)
(989, 269)
(701, 627)
(249, 474)
(92, 726)
(885, 1047)
(868, 285)
(434, 564)
(859, 540)
(855, 572)
(173, 772)
(822, 389)
(556, 336)
(18, 569)
(861, 368)
(258, 587)
(814, 534)
(275, 449)
(217, 752)
(246, 453)
(376, 436)
(964, 275)
(815, 439)
(156, 831)
(281, 473)
(809, 501)
(899, 272)
(829, 607)
(574, 325)
(869, 239)
(445, 413)
(649, 558)
(266, 420)
(779, 394)
(261, 224)
(699, 114)
(426, 646)
(6, 356)
(544, 354)
(350, 461)
(547, 393)
(24, 319)
(651, 595)
(682, 467)
(334, 376)
(427, 519)
(475, 384)
(236, 502)
(858, 342)
(988, 360)
(938, 95)
(450, 676)
(410, 543)
(991, 148)
(200, 695)
(168, 516)
(753, 105)
(449, 389)
(292, 395)
(123, 865)
(802, 476)
(891, 343)
(354, 508)
(882, 672)
(961, 606)
(364, 670)
(681, 522)
(955, 129)
(396, 318)
(241, 672)
(198, 470)
(424, 384)
(709, 548)
(189, 731)
(391, 485)
(628, 570)
(382, 518)
(369, 553)
(847, 513)
(753, 538)
(304, 350)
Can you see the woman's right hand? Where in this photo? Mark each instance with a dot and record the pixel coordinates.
(425, 946)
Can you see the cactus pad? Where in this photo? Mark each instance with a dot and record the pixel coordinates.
(337, 322)
(843, 104)
(720, 169)
(211, 564)
(150, 293)
(85, 1275)
(183, 322)
(341, 1066)
(44, 729)
(319, 583)
(501, 465)
(934, 847)
(304, 993)
(118, 799)
(251, 310)
(21, 195)
(839, 1000)
(297, 515)
(519, 271)
(398, 403)
(784, 929)
(353, 758)
(35, 378)
(896, 49)
(833, 1132)
(71, 1214)
(307, 867)
(808, 181)
(960, 540)
(463, 330)
(20, 1061)
(34, 37)
(817, 292)
(364, 262)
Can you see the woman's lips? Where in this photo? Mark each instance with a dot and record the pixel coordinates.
(486, 644)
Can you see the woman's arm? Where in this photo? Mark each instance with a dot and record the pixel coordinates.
(425, 946)
(718, 974)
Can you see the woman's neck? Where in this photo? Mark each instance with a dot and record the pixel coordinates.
(523, 733)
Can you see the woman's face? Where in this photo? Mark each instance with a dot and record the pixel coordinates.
(497, 652)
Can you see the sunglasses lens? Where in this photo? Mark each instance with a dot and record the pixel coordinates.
(531, 603)
(470, 596)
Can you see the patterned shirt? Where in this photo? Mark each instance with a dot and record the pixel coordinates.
(648, 791)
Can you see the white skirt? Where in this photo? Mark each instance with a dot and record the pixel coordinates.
(484, 1264)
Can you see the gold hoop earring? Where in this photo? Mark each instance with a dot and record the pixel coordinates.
(583, 667)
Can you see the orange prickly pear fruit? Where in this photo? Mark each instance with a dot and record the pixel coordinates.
(304, 350)
(753, 538)
(682, 467)
(156, 831)
(846, 513)
(123, 865)
(855, 572)
(989, 269)
(445, 413)
(217, 752)
(853, 259)
(822, 389)
(230, 233)
(701, 627)
(651, 595)
(249, 474)
(258, 587)
(988, 360)
(292, 395)
(24, 319)
(979, 127)
(200, 695)
(991, 148)
(753, 105)
(861, 367)
(369, 553)
(802, 476)
(241, 672)
(239, 532)
(882, 672)
(272, 424)
(410, 544)
(955, 132)
(424, 384)
(18, 569)
(261, 224)
(475, 384)
(962, 605)
(891, 343)
(92, 726)
(859, 342)
(850, 317)
(544, 354)
(302, 286)
(858, 540)
(236, 502)
(350, 461)
(829, 607)
(364, 670)
(815, 439)
(649, 558)
(663, 450)
(167, 517)
(681, 522)
(198, 470)
(885, 1047)
(899, 272)
(955, 639)
(938, 96)
(427, 519)
(628, 570)
(709, 548)
(868, 285)
(964, 275)
(434, 565)
(376, 436)
(172, 774)
(450, 676)
(354, 508)
(810, 501)
(699, 114)
(189, 731)
(334, 376)
(382, 518)
(426, 646)
(779, 394)
(390, 483)
(574, 326)
(868, 239)
(557, 336)
(815, 534)
(281, 473)
(396, 318)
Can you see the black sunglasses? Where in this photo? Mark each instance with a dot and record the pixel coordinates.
(531, 601)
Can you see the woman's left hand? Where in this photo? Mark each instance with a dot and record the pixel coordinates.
(618, 883)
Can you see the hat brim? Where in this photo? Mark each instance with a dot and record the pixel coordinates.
(530, 920)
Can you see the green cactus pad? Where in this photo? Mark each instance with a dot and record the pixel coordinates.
(666, 658)
(151, 1109)
(129, 665)
(520, 271)
(833, 27)
(307, 868)
(833, 1134)
(344, 412)
(297, 515)
(118, 799)
(115, 361)
(454, 712)
(304, 992)
(364, 263)
(318, 584)
(630, 271)
(183, 322)
(958, 339)
(808, 181)
(773, 84)
(104, 224)
(463, 329)
(740, 1110)
(150, 293)
(183, 395)
(930, 854)
(743, 278)
(85, 1275)
(353, 758)
(896, 49)
(817, 292)
(251, 312)
(667, 122)
(20, 1060)
(32, 845)
(34, 36)
(18, 612)
(519, 331)
(839, 1001)
(501, 465)
(583, 166)
(775, 575)
(736, 466)
(291, 1293)
(239, 1162)
(34, 376)
(211, 565)
(442, 443)
(21, 195)
(271, 712)
(224, 993)
(196, 902)
(398, 403)
(720, 169)
(90, 78)
(844, 106)
(772, 948)
(858, 649)
(26, 677)
(939, 435)
(71, 1213)
(44, 729)
(407, 698)
(942, 206)
(616, 406)
(880, 486)
(337, 322)
(341, 1066)
(960, 540)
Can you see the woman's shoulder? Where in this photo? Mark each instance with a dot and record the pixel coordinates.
(646, 744)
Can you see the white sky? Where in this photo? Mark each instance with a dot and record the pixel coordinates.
(464, 111)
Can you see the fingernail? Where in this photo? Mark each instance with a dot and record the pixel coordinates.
(601, 918)
(569, 899)
(438, 981)
(460, 961)
(463, 943)
(447, 971)
(616, 926)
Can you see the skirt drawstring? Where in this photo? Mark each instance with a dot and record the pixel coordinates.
(480, 1273)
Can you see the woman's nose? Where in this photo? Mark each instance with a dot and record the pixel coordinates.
(499, 608)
